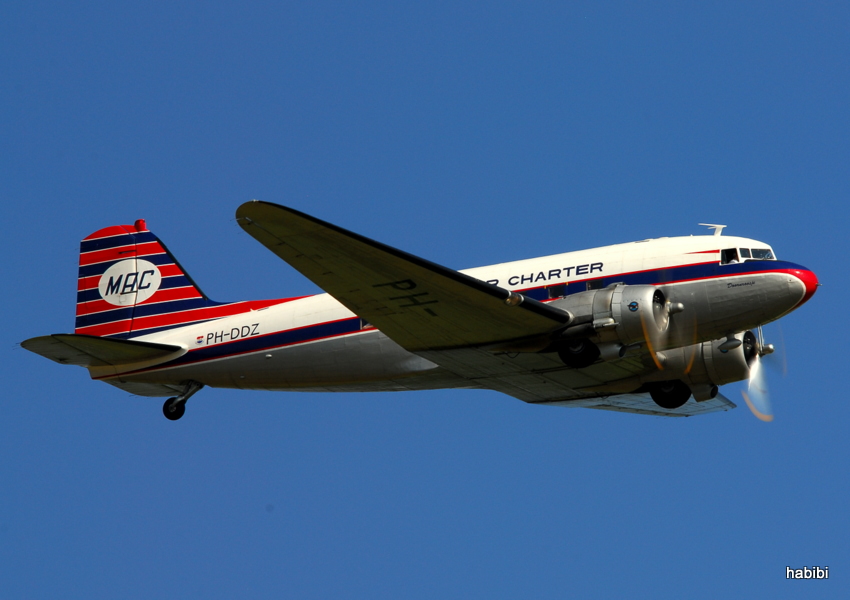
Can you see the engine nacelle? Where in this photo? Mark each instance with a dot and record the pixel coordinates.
(619, 314)
(706, 365)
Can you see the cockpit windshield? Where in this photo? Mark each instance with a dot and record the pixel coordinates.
(730, 256)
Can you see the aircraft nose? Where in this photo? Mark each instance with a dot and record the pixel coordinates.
(809, 281)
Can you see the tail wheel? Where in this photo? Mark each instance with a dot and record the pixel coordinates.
(670, 394)
(579, 354)
(173, 410)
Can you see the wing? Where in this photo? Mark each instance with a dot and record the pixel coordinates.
(418, 304)
(541, 378)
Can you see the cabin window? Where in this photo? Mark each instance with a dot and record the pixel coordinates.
(728, 257)
(595, 284)
(745, 253)
(559, 290)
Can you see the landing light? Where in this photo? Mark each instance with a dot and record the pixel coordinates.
(514, 299)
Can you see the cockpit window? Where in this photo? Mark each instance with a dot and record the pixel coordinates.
(763, 254)
(745, 253)
(729, 256)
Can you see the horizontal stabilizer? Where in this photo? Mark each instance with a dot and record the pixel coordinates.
(93, 351)
(418, 304)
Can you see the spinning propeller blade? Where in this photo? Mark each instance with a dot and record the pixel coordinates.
(756, 396)
(779, 360)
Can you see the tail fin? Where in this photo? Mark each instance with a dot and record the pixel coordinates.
(131, 285)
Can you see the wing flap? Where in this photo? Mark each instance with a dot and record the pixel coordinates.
(418, 304)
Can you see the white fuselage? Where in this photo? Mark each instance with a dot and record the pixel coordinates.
(315, 343)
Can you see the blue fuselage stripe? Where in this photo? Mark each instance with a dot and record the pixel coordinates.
(264, 342)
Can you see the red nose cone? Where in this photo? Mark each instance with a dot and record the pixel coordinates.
(810, 281)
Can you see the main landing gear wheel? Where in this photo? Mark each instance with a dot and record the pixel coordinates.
(670, 394)
(579, 354)
(172, 409)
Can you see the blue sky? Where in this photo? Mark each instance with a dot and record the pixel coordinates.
(468, 134)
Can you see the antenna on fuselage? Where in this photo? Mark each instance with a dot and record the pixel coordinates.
(718, 229)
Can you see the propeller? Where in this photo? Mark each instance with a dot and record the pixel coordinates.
(756, 395)
(654, 338)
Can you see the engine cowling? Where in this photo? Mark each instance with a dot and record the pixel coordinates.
(730, 365)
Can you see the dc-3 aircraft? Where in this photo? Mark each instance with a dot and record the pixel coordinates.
(650, 327)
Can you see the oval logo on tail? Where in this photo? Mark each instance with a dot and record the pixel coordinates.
(129, 282)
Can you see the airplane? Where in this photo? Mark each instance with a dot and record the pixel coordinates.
(649, 327)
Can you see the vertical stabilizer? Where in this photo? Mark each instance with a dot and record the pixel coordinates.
(130, 284)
